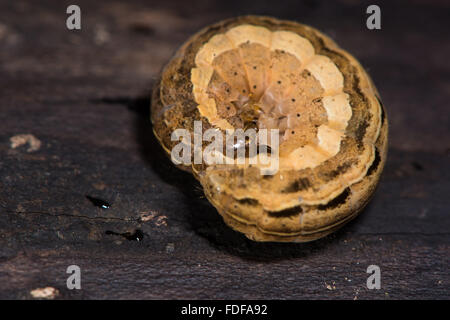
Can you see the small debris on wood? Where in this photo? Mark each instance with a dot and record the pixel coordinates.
(170, 247)
(98, 202)
(137, 235)
(21, 139)
(148, 216)
(44, 293)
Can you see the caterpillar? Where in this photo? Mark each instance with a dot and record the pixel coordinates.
(261, 73)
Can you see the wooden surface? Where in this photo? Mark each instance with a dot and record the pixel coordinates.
(85, 96)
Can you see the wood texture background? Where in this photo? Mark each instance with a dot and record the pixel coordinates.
(85, 96)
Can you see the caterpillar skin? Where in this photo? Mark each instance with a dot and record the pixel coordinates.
(333, 127)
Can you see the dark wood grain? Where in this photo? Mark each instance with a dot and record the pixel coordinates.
(85, 96)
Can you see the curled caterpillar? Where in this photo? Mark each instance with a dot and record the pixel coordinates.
(261, 73)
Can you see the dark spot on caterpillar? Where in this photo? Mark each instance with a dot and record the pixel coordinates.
(235, 73)
(99, 202)
(298, 185)
(279, 82)
(137, 235)
(254, 87)
(336, 202)
(238, 172)
(292, 131)
(298, 115)
(305, 74)
(248, 202)
(383, 116)
(341, 169)
(360, 132)
(293, 100)
(254, 67)
(263, 147)
(376, 162)
(286, 213)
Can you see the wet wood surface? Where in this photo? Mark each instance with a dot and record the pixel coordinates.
(82, 97)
